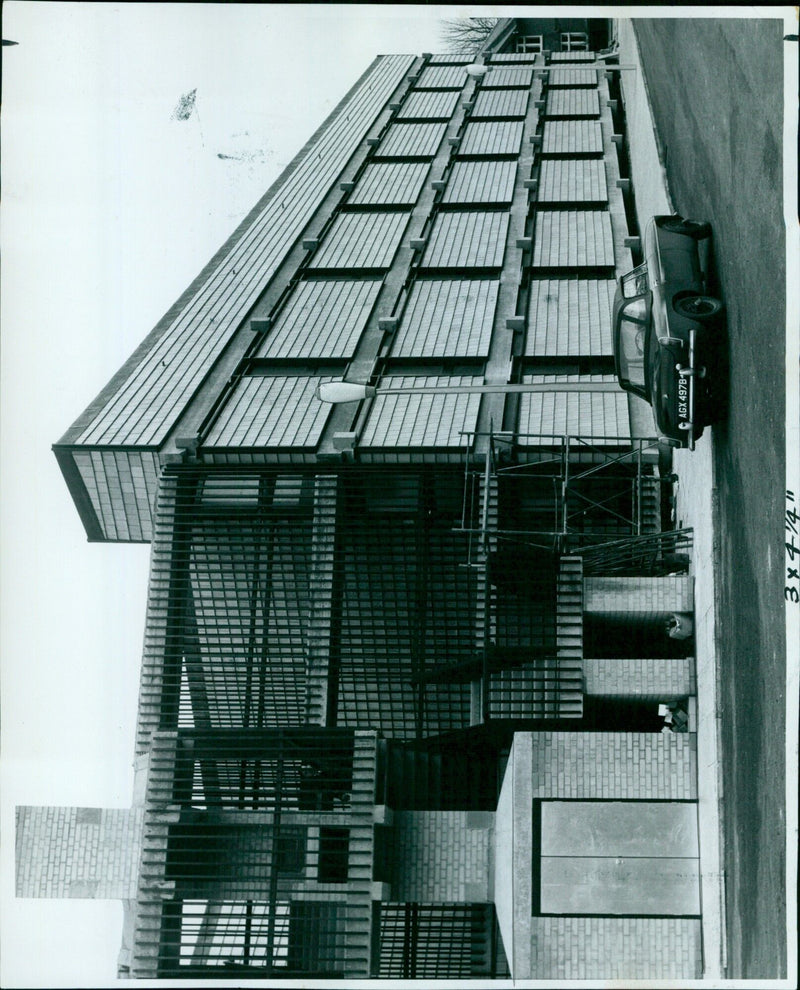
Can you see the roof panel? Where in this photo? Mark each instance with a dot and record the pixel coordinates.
(500, 103)
(361, 240)
(390, 183)
(442, 77)
(322, 320)
(262, 411)
(501, 137)
(601, 414)
(573, 181)
(467, 240)
(449, 59)
(411, 141)
(430, 105)
(448, 318)
(144, 407)
(508, 76)
(422, 420)
(481, 182)
(576, 56)
(569, 317)
(572, 77)
(572, 137)
(573, 239)
(513, 57)
(573, 103)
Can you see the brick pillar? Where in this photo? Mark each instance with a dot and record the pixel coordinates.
(660, 680)
(442, 856)
(617, 949)
(626, 766)
(637, 598)
(78, 852)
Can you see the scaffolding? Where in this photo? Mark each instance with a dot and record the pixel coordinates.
(599, 498)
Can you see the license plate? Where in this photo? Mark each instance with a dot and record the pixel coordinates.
(683, 398)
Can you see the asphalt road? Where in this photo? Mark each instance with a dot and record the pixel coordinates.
(716, 88)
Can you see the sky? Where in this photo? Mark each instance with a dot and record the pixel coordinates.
(111, 206)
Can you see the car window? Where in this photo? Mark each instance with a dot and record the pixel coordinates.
(632, 338)
(635, 283)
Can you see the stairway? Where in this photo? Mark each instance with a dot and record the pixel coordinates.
(453, 780)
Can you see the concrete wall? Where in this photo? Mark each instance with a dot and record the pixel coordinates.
(78, 852)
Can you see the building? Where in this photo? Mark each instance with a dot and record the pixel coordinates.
(407, 659)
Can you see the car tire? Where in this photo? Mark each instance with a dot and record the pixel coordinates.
(700, 308)
(698, 229)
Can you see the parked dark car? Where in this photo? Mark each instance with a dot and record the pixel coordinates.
(668, 330)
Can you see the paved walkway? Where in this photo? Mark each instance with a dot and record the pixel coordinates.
(696, 506)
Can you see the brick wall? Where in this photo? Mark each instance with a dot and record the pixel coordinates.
(571, 948)
(615, 765)
(441, 856)
(78, 852)
(652, 679)
(642, 597)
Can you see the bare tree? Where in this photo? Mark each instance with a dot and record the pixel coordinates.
(466, 35)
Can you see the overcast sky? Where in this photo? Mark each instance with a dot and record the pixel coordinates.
(111, 206)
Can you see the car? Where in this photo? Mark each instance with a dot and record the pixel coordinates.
(667, 331)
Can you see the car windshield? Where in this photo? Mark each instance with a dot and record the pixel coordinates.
(635, 283)
(632, 335)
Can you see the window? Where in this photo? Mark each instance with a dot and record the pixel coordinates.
(635, 283)
(574, 41)
(632, 341)
(529, 43)
(334, 849)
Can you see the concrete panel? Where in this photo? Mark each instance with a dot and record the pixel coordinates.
(605, 885)
(619, 828)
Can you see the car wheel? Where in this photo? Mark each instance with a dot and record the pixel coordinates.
(698, 229)
(698, 307)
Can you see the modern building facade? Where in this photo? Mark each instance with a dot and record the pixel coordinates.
(407, 660)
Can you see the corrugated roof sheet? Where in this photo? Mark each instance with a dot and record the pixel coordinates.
(422, 420)
(411, 141)
(572, 56)
(447, 59)
(573, 239)
(467, 240)
(390, 184)
(572, 77)
(143, 409)
(431, 104)
(500, 137)
(573, 103)
(322, 319)
(572, 137)
(280, 411)
(448, 318)
(586, 414)
(573, 181)
(442, 77)
(361, 240)
(481, 182)
(508, 76)
(569, 317)
(500, 103)
(121, 485)
(512, 57)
